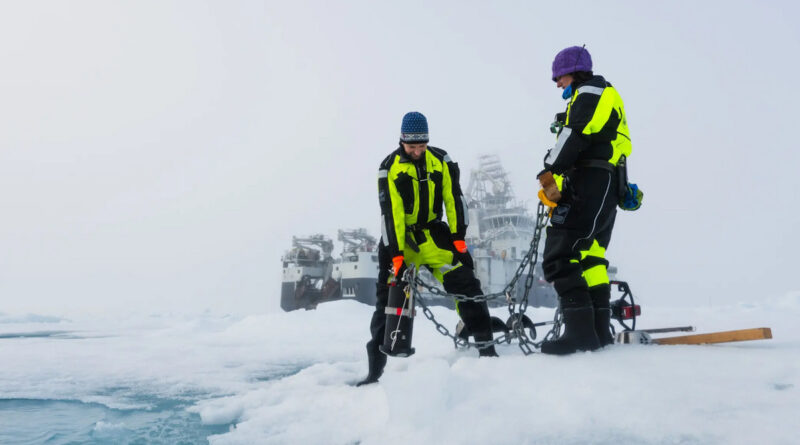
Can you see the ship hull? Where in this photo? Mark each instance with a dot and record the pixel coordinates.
(305, 295)
(288, 300)
(359, 289)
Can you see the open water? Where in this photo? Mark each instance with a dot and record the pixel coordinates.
(57, 422)
(62, 422)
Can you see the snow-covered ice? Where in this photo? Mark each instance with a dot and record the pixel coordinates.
(286, 378)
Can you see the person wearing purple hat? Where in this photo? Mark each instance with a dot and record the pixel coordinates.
(418, 185)
(583, 181)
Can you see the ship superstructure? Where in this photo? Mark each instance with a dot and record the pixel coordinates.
(499, 236)
(500, 232)
(312, 276)
(357, 270)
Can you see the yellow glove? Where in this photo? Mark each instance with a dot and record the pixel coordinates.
(545, 201)
(551, 185)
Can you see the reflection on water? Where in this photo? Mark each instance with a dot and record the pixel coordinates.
(25, 421)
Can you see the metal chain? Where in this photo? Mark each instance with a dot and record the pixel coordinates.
(526, 344)
(533, 252)
(458, 341)
(517, 328)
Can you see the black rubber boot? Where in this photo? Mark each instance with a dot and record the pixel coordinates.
(377, 361)
(602, 326)
(486, 352)
(476, 317)
(579, 334)
(602, 314)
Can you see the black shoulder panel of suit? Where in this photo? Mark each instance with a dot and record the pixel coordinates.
(388, 160)
(582, 110)
(438, 152)
(596, 81)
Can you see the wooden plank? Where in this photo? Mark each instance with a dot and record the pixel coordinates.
(717, 337)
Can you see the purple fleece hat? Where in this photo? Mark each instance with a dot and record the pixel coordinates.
(570, 60)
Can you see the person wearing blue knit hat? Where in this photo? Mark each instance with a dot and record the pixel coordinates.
(418, 186)
(583, 181)
(414, 129)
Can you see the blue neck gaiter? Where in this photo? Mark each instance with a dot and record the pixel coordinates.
(567, 92)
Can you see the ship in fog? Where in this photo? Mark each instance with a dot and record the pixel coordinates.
(499, 235)
(312, 276)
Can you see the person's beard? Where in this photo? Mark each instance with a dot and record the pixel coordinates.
(415, 157)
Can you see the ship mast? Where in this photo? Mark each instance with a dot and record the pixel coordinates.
(356, 240)
(492, 203)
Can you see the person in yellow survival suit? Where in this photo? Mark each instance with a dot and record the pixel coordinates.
(417, 185)
(584, 180)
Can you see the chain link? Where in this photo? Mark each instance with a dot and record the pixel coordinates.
(516, 314)
(458, 341)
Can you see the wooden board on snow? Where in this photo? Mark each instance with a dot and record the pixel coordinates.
(717, 337)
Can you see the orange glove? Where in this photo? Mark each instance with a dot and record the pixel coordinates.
(463, 255)
(399, 265)
(460, 246)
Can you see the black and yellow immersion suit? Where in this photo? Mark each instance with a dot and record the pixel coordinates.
(590, 145)
(413, 196)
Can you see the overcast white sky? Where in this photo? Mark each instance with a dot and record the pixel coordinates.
(159, 155)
